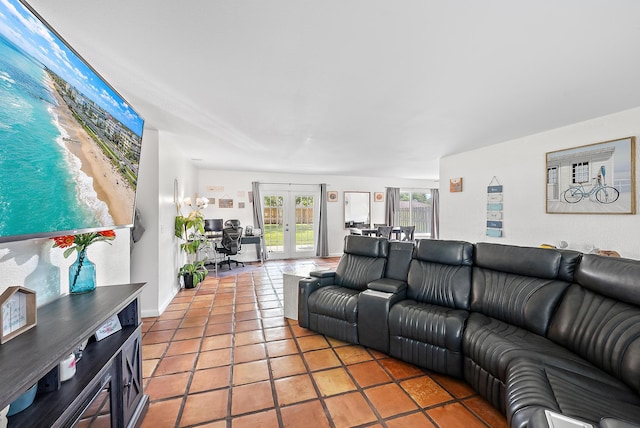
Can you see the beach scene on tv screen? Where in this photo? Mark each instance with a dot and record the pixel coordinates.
(69, 144)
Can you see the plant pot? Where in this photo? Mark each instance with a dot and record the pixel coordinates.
(188, 280)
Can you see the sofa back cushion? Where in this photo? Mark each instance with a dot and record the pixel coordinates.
(440, 273)
(613, 277)
(517, 285)
(398, 261)
(363, 261)
(599, 317)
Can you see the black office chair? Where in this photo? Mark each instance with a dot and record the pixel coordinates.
(232, 223)
(230, 245)
(236, 224)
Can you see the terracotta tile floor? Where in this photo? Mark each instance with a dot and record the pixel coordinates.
(223, 355)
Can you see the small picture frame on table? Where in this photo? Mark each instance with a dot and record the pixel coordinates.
(111, 326)
(19, 312)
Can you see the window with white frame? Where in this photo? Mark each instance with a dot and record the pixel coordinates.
(580, 172)
(552, 175)
(415, 210)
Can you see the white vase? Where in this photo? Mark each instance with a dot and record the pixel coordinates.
(3, 417)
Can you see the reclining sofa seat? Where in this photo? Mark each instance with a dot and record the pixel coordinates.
(426, 328)
(598, 320)
(515, 290)
(328, 300)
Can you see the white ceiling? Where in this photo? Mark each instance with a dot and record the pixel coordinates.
(356, 87)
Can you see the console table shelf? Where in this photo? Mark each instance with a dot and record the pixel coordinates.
(115, 361)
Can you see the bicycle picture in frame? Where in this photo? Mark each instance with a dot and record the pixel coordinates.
(593, 179)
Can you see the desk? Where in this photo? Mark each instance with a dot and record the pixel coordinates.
(257, 240)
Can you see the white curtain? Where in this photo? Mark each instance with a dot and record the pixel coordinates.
(435, 213)
(258, 214)
(322, 249)
(392, 206)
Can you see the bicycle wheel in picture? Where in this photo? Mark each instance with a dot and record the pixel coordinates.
(593, 179)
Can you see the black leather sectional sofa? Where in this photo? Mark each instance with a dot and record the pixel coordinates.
(530, 329)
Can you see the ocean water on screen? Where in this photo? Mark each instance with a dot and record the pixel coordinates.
(40, 182)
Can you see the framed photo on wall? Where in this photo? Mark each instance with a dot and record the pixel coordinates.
(455, 184)
(378, 197)
(597, 178)
(332, 196)
(225, 203)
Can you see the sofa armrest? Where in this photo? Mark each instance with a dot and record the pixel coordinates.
(373, 318)
(322, 273)
(327, 277)
(388, 285)
(306, 286)
(617, 423)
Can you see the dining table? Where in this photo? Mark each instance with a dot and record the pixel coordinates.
(374, 231)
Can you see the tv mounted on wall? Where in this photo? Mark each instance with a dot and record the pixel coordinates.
(69, 143)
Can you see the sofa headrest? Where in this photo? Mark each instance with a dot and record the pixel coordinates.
(568, 264)
(365, 246)
(456, 253)
(529, 261)
(399, 259)
(610, 276)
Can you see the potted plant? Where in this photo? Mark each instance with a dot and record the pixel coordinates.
(193, 273)
(190, 230)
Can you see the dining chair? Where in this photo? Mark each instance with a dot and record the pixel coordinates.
(407, 233)
(384, 231)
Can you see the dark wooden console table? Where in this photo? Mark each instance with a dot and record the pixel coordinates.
(114, 363)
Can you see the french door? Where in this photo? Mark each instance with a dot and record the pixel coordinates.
(290, 219)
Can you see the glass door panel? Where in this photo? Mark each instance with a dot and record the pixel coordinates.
(273, 206)
(290, 220)
(304, 237)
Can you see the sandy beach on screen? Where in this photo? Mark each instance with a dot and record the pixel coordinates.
(109, 185)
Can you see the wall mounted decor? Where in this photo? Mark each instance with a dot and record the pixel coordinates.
(494, 208)
(455, 185)
(240, 204)
(378, 197)
(357, 209)
(332, 196)
(597, 178)
(225, 203)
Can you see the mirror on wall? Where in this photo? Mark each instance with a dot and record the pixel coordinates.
(357, 209)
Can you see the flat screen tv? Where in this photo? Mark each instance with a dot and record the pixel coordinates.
(69, 143)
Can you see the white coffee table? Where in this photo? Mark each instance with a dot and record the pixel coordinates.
(290, 285)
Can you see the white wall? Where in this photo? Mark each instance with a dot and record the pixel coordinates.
(144, 253)
(36, 265)
(156, 258)
(235, 181)
(520, 165)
